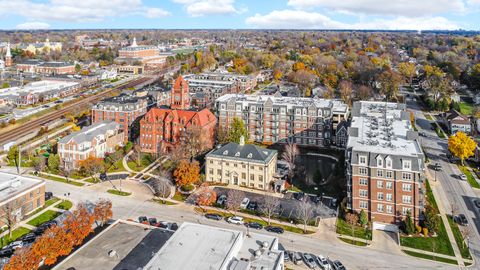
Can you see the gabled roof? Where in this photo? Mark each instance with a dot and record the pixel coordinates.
(179, 82)
(202, 117)
(248, 152)
(452, 114)
(87, 134)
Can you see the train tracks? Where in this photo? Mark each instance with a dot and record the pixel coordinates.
(30, 126)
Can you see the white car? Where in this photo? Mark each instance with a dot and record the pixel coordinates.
(222, 199)
(463, 177)
(323, 263)
(235, 220)
(245, 203)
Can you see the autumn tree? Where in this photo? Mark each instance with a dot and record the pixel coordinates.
(432, 219)
(289, 155)
(193, 142)
(304, 213)
(234, 199)
(390, 82)
(269, 206)
(91, 166)
(222, 135)
(111, 159)
(237, 130)
(206, 196)
(136, 155)
(461, 146)
(39, 163)
(53, 163)
(408, 70)
(103, 211)
(13, 155)
(187, 173)
(24, 259)
(346, 89)
(363, 218)
(352, 220)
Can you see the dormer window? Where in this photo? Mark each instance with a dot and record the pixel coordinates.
(407, 165)
(225, 152)
(388, 162)
(362, 160)
(379, 161)
(249, 155)
(237, 154)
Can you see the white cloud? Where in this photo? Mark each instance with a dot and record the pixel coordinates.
(197, 8)
(78, 10)
(297, 19)
(33, 26)
(406, 8)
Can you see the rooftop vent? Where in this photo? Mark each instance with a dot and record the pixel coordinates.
(249, 155)
(225, 152)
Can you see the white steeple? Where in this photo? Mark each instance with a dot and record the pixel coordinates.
(9, 53)
(134, 43)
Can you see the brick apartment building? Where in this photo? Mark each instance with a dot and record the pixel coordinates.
(42, 67)
(180, 95)
(143, 54)
(92, 141)
(161, 129)
(123, 109)
(23, 194)
(385, 164)
(271, 119)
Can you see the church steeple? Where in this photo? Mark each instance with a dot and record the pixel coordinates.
(134, 43)
(8, 57)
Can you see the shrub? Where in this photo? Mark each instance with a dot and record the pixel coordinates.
(187, 188)
(425, 232)
(419, 228)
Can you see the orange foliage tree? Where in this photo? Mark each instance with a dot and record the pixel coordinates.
(206, 196)
(103, 211)
(187, 173)
(92, 165)
(23, 259)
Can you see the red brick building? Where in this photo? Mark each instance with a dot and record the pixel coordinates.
(161, 129)
(123, 109)
(180, 99)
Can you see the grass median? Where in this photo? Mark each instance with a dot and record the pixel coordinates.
(44, 217)
(61, 179)
(470, 179)
(462, 246)
(353, 242)
(430, 257)
(343, 228)
(64, 205)
(118, 192)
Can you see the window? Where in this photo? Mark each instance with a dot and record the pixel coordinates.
(379, 184)
(406, 176)
(407, 164)
(388, 185)
(260, 178)
(407, 187)
(363, 182)
(406, 210)
(362, 160)
(362, 171)
(389, 197)
(219, 172)
(407, 199)
(389, 174)
(362, 193)
(363, 204)
(252, 177)
(388, 162)
(380, 196)
(379, 173)
(210, 171)
(379, 162)
(244, 176)
(389, 209)
(380, 208)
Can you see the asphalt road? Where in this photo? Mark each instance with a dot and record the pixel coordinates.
(352, 257)
(457, 193)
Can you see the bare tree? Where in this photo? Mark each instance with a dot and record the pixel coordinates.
(304, 213)
(10, 217)
(161, 188)
(136, 155)
(192, 141)
(269, 206)
(66, 172)
(352, 219)
(234, 199)
(466, 233)
(290, 154)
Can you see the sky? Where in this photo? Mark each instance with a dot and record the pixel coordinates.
(241, 14)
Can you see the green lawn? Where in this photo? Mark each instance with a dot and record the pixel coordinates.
(353, 242)
(459, 239)
(17, 233)
(61, 179)
(429, 257)
(118, 192)
(65, 205)
(344, 228)
(47, 204)
(470, 179)
(466, 108)
(162, 202)
(117, 167)
(133, 165)
(44, 217)
(179, 197)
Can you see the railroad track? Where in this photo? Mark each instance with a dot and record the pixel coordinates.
(28, 127)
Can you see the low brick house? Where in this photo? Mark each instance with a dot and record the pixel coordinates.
(455, 121)
(161, 128)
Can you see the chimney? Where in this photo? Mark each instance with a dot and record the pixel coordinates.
(242, 141)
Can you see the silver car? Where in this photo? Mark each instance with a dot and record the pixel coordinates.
(310, 260)
(323, 263)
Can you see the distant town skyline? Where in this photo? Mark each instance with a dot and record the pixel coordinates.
(241, 14)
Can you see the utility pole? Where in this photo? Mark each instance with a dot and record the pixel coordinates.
(19, 159)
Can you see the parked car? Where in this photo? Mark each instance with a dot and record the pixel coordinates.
(222, 199)
(461, 219)
(255, 225)
(333, 202)
(142, 219)
(297, 258)
(462, 176)
(174, 226)
(274, 229)
(299, 196)
(337, 265)
(15, 245)
(437, 167)
(253, 206)
(48, 195)
(323, 263)
(213, 216)
(287, 256)
(244, 203)
(152, 221)
(309, 260)
(28, 238)
(162, 224)
(235, 220)
(476, 203)
(6, 252)
(315, 199)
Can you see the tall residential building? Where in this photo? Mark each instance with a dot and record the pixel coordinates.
(271, 119)
(161, 129)
(92, 141)
(123, 109)
(180, 99)
(241, 164)
(385, 163)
